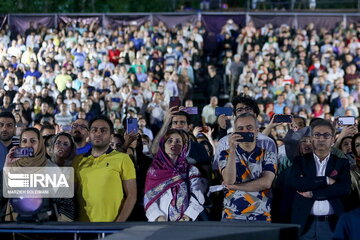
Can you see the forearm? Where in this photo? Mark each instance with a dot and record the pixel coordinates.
(304, 184)
(267, 130)
(155, 144)
(127, 208)
(257, 185)
(229, 172)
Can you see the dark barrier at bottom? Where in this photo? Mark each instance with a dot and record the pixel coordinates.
(149, 231)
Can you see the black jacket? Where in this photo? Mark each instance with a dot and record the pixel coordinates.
(303, 179)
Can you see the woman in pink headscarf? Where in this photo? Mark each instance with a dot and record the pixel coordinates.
(174, 189)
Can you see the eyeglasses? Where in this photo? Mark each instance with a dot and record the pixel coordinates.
(325, 135)
(244, 109)
(75, 125)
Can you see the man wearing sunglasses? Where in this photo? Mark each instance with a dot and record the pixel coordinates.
(321, 179)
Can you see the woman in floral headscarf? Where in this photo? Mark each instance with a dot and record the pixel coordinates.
(174, 190)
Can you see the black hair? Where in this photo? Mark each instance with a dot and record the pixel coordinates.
(104, 118)
(119, 136)
(302, 119)
(353, 149)
(246, 100)
(342, 141)
(7, 115)
(181, 113)
(46, 125)
(322, 122)
(47, 140)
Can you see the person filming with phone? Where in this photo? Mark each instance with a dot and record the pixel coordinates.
(248, 172)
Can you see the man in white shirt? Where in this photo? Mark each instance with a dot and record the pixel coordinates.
(321, 180)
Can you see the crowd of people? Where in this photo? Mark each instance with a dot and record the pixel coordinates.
(68, 93)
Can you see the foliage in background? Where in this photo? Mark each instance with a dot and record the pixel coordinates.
(114, 6)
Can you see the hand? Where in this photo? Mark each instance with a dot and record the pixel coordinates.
(130, 138)
(222, 121)
(231, 187)
(331, 180)
(308, 194)
(272, 123)
(170, 113)
(293, 125)
(233, 140)
(208, 134)
(348, 131)
(185, 219)
(161, 219)
(196, 131)
(10, 159)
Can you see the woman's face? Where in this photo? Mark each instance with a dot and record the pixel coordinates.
(173, 145)
(115, 143)
(30, 139)
(62, 147)
(346, 146)
(305, 145)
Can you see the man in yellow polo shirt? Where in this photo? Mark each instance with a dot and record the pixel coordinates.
(106, 178)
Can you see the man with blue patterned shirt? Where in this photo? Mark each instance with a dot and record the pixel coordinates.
(248, 172)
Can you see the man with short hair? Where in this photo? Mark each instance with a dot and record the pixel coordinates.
(63, 118)
(7, 129)
(80, 133)
(321, 180)
(242, 104)
(47, 130)
(7, 106)
(145, 130)
(107, 181)
(208, 113)
(248, 172)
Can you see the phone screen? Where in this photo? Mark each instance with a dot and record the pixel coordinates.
(247, 136)
(174, 102)
(346, 121)
(227, 111)
(132, 125)
(282, 118)
(22, 152)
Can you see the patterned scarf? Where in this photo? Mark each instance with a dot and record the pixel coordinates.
(164, 175)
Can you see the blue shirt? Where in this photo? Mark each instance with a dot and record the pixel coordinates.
(348, 226)
(3, 152)
(35, 73)
(84, 149)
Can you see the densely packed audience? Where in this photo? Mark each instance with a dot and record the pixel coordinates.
(68, 93)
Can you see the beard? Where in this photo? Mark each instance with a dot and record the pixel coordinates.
(78, 138)
(5, 136)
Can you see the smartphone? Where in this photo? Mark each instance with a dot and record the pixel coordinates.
(23, 152)
(346, 121)
(191, 110)
(132, 125)
(174, 102)
(282, 118)
(247, 136)
(227, 111)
